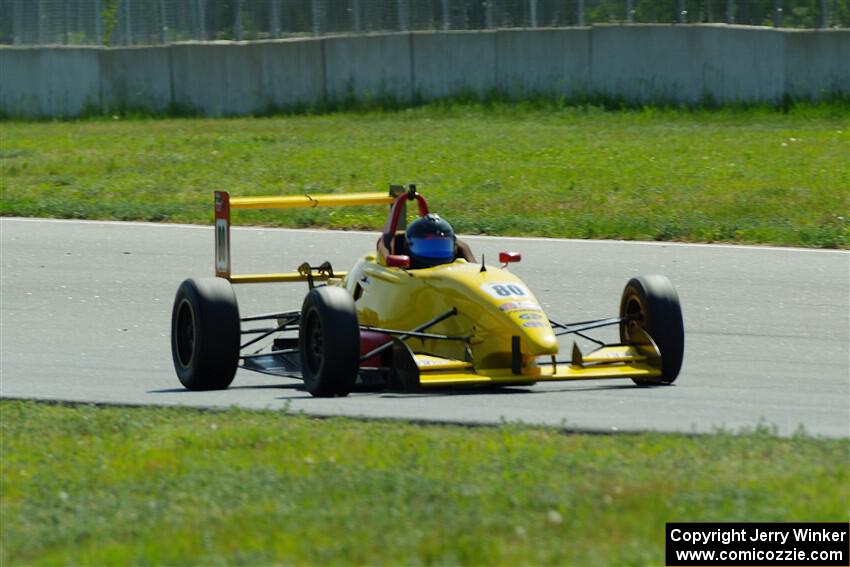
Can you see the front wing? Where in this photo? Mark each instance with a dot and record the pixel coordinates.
(640, 361)
(615, 361)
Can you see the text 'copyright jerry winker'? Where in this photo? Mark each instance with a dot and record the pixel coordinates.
(745, 543)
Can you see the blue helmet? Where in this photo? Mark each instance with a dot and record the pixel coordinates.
(430, 241)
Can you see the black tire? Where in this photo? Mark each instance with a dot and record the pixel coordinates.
(205, 334)
(329, 342)
(655, 304)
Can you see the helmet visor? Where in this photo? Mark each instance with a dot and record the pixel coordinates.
(432, 247)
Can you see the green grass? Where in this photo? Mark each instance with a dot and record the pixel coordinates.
(754, 175)
(97, 486)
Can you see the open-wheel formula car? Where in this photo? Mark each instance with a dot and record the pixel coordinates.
(387, 323)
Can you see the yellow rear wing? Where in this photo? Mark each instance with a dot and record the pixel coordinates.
(224, 204)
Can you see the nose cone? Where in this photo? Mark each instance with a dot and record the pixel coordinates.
(501, 302)
(536, 334)
(541, 341)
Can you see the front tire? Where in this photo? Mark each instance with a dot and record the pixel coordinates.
(205, 334)
(329, 342)
(653, 305)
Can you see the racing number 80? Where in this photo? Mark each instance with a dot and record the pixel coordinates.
(508, 290)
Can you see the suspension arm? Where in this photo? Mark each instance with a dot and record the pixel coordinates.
(405, 334)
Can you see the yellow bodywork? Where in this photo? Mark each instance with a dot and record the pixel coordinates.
(493, 305)
(309, 201)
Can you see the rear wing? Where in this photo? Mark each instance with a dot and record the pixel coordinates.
(224, 203)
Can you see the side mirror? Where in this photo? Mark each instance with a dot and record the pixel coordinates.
(398, 261)
(509, 257)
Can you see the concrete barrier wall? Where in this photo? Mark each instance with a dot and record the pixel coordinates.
(641, 63)
(745, 64)
(49, 82)
(451, 63)
(135, 78)
(817, 63)
(633, 64)
(553, 63)
(369, 67)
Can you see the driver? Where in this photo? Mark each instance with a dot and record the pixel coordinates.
(431, 241)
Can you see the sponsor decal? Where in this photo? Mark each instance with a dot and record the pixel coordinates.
(534, 324)
(222, 261)
(426, 360)
(506, 290)
(520, 306)
(531, 315)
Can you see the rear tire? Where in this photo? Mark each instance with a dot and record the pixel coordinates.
(205, 334)
(654, 303)
(329, 342)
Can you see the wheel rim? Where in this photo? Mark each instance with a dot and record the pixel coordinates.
(185, 333)
(315, 341)
(636, 313)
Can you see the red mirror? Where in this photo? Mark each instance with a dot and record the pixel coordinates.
(398, 261)
(509, 257)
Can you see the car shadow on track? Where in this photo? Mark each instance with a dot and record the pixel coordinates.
(360, 392)
(444, 392)
(249, 387)
(376, 392)
(602, 388)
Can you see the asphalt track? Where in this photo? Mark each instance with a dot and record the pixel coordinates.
(85, 314)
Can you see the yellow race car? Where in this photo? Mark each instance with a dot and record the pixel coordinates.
(417, 312)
